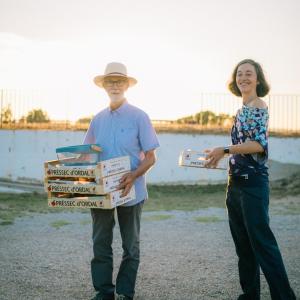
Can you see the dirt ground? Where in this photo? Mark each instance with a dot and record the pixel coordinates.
(184, 255)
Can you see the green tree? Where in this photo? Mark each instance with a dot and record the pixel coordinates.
(205, 117)
(84, 120)
(22, 120)
(222, 119)
(6, 114)
(187, 120)
(37, 116)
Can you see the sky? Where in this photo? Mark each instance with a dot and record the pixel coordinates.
(177, 50)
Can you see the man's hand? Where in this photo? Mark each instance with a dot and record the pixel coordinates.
(126, 183)
(213, 156)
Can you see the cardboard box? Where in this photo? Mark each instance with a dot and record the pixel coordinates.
(110, 183)
(197, 159)
(103, 186)
(116, 198)
(113, 166)
(53, 169)
(108, 201)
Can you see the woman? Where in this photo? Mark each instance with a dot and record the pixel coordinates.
(248, 187)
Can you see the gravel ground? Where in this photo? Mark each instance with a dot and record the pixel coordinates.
(181, 258)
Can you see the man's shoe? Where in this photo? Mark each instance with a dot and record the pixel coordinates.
(123, 297)
(99, 297)
(244, 297)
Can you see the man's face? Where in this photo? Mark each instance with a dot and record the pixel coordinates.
(115, 86)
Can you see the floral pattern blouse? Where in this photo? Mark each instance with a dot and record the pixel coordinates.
(250, 124)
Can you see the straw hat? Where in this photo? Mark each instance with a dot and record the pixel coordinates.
(114, 69)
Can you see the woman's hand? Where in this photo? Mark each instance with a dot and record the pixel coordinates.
(213, 156)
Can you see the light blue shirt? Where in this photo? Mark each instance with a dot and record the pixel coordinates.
(124, 131)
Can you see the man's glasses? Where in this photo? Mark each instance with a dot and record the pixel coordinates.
(118, 83)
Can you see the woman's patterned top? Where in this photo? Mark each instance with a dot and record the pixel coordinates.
(250, 124)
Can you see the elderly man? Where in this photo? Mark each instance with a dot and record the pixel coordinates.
(121, 129)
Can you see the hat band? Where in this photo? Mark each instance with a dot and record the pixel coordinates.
(116, 73)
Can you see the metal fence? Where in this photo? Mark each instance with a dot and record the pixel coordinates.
(284, 110)
(15, 106)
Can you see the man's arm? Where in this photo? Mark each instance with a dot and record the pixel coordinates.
(128, 179)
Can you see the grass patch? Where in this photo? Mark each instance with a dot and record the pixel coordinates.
(161, 198)
(6, 223)
(285, 206)
(185, 197)
(210, 219)
(157, 217)
(14, 205)
(85, 222)
(19, 205)
(59, 223)
(285, 211)
(284, 187)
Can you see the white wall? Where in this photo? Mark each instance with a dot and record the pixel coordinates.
(23, 152)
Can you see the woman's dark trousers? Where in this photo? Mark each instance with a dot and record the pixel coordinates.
(256, 247)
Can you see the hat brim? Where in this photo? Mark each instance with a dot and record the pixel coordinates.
(98, 80)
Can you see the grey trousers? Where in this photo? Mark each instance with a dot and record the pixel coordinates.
(129, 218)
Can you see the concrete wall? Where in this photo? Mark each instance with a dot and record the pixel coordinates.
(23, 152)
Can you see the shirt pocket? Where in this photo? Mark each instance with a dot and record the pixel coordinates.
(128, 137)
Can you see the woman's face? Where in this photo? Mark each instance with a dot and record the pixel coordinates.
(246, 79)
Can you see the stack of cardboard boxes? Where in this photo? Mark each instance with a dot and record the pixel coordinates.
(86, 185)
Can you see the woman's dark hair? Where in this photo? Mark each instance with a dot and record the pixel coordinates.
(262, 88)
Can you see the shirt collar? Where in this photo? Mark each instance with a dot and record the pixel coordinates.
(120, 109)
